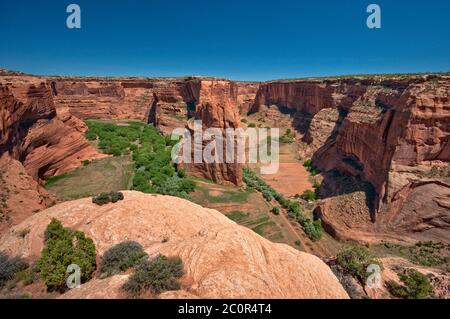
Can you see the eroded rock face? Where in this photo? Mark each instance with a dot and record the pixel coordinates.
(217, 109)
(246, 95)
(166, 103)
(387, 131)
(35, 142)
(221, 259)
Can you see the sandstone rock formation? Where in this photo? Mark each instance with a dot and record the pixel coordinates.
(167, 103)
(216, 108)
(389, 132)
(221, 259)
(35, 142)
(246, 95)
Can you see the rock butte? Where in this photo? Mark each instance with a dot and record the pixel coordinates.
(221, 259)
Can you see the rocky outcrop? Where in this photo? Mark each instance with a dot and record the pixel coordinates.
(246, 93)
(216, 108)
(221, 259)
(389, 132)
(35, 142)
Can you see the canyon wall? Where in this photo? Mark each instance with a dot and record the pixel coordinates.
(389, 132)
(35, 142)
(167, 103)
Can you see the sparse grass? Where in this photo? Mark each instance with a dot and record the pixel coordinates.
(237, 215)
(234, 196)
(111, 173)
(428, 254)
(260, 229)
(54, 179)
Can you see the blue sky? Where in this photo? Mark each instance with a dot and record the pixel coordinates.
(237, 39)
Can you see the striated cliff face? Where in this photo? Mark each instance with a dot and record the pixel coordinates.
(388, 132)
(167, 103)
(246, 93)
(35, 142)
(217, 108)
(221, 259)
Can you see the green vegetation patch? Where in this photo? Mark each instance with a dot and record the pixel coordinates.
(294, 210)
(415, 285)
(154, 171)
(105, 198)
(121, 257)
(10, 267)
(354, 260)
(237, 216)
(64, 247)
(156, 275)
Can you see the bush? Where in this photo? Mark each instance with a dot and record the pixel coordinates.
(244, 120)
(276, 210)
(308, 195)
(415, 285)
(313, 229)
(267, 195)
(64, 247)
(85, 162)
(307, 164)
(316, 184)
(252, 125)
(105, 198)
(355, 260)
(9, 267)
(120, 257)
(157, 275)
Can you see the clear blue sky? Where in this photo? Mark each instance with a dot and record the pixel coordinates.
(237, 39)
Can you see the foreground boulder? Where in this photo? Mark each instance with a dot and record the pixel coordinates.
(221, 259)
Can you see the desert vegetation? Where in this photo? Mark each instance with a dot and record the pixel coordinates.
(294, 210)
(10, 267)
(64, 247)
(414, 285)
(354, 260)
(105, 198)
(156, 274)
(121, 257)
(151, 154)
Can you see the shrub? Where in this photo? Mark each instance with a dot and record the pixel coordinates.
(64, 247)
(9, 267)
(276, 210)
(157, 275)
(316, 184)
(415, 285)
(313, 229)
(244, 120)
(355, 260)
(120, 257)
(297, 243)
(105, 198)
(85, 162)
(252, 125)
(307, 163)
(267, 195)
(308, 195)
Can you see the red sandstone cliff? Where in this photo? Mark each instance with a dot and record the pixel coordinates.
(217, 108)
(35, 142)
(388, 132)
